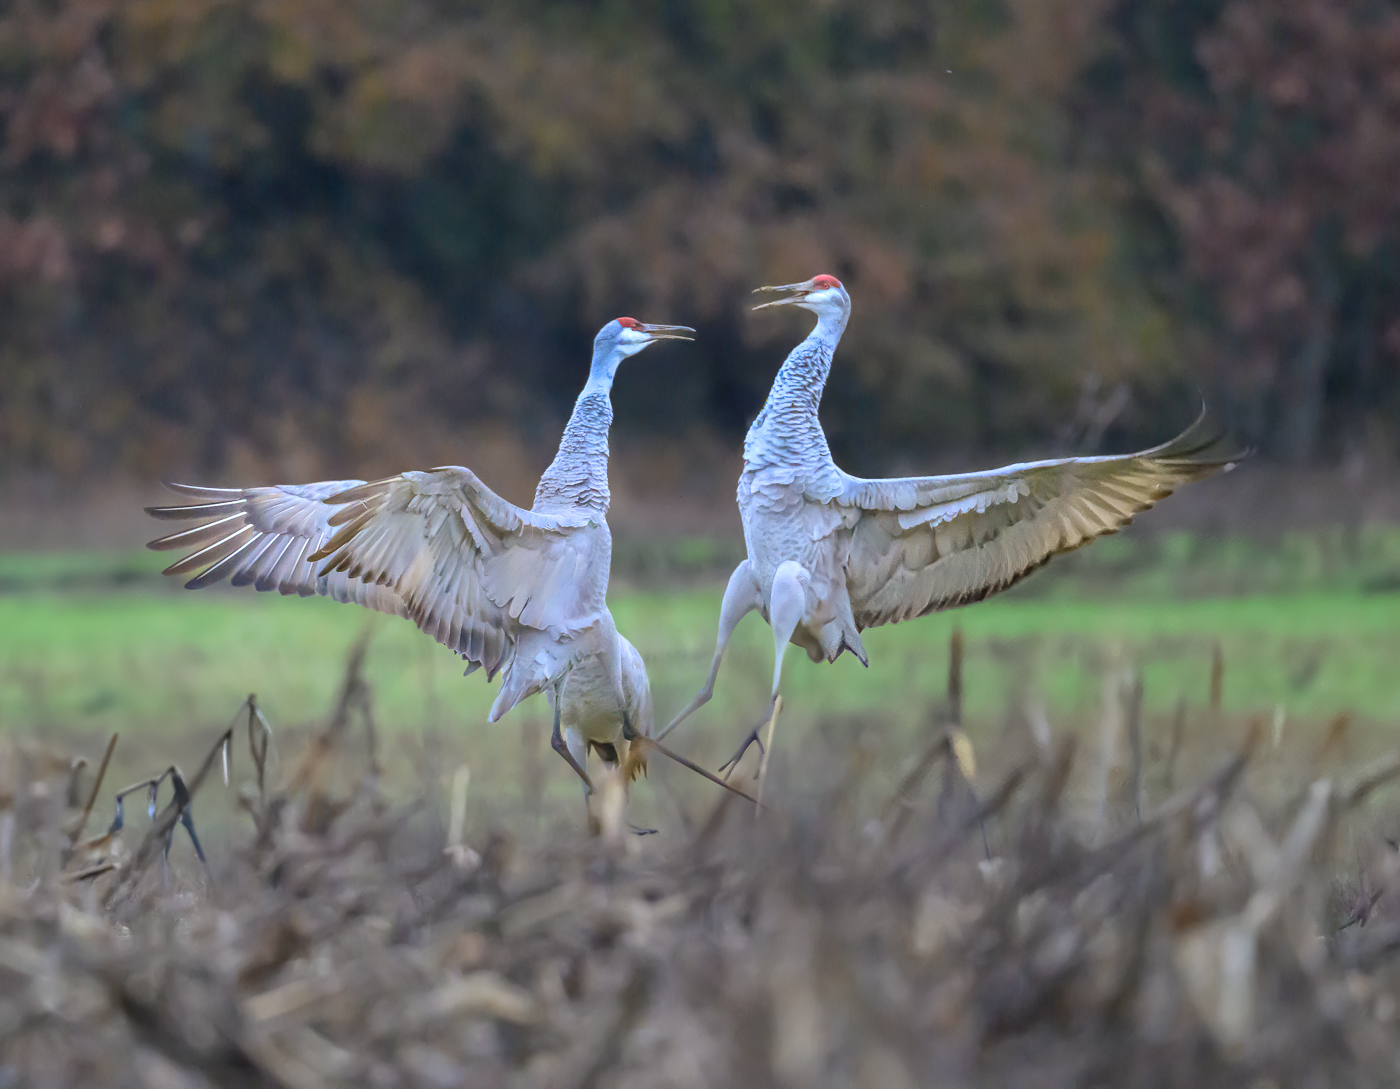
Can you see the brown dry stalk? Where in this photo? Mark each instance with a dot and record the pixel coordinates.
(955, 677)
(92, 797)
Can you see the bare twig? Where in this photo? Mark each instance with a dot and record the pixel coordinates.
(92, 795)
(175, 812)
(767, 752)
(940, 749)
(259, 730)
(1174, 745)
(955, 677)
(1134, 724)
(1217, 676)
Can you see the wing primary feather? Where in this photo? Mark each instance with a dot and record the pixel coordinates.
(267, 580)
(248, 571)
(199, 492)
(199, 535)
(210, 553)
(361, 493)
(283, 576)
(439, 547)
(197, 510)
(220, 569)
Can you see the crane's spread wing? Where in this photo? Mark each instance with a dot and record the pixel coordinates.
(471, 568)
(438, 547)
(921, 544)
(264, 537)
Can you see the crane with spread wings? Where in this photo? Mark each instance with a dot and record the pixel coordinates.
(515, 591)
(830, 554)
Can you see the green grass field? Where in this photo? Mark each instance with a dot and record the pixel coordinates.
(1308, 623)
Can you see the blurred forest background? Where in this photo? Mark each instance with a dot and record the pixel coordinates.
(287, 238)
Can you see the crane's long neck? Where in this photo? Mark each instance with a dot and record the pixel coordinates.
(578, 475)
(788, 429)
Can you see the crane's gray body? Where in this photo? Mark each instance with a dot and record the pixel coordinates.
(609, 679)
(784, 501)
(577, 481)
(594, 699)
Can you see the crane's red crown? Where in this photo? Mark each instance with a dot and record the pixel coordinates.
(629, 323)
(826, 281)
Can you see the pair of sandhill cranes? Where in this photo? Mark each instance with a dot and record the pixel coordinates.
(524, 591)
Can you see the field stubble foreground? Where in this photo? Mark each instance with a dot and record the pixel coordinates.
(1037, 931)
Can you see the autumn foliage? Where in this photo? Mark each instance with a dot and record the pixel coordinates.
(1266, 137)
(344, 232)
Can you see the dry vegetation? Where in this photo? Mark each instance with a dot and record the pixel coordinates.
(847, 934)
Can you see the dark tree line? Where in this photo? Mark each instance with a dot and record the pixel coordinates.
(232, 229)
(1261, 143)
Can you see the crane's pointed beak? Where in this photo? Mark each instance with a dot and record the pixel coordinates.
(801, 292)
(667, 332)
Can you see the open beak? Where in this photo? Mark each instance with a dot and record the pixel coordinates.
(667, 332)
(801, 290)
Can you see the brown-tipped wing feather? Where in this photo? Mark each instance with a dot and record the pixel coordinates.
(262, 537)
(922, 544)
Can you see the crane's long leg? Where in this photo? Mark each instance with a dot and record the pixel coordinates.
(740, 598)
(786, 606)
(577, 747)
(560, 745)
(629, 734)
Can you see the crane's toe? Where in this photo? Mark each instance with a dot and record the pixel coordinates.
(751, 739)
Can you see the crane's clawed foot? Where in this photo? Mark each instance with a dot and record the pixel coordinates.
(752, 739)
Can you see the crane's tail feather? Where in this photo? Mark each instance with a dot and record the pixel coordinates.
(636, 763)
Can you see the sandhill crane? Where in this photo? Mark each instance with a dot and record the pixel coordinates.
(830, 554)
(523, 591)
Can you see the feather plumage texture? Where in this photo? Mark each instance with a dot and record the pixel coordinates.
(589, 713)
(263, 537)
(578, 475)
(923, 544)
